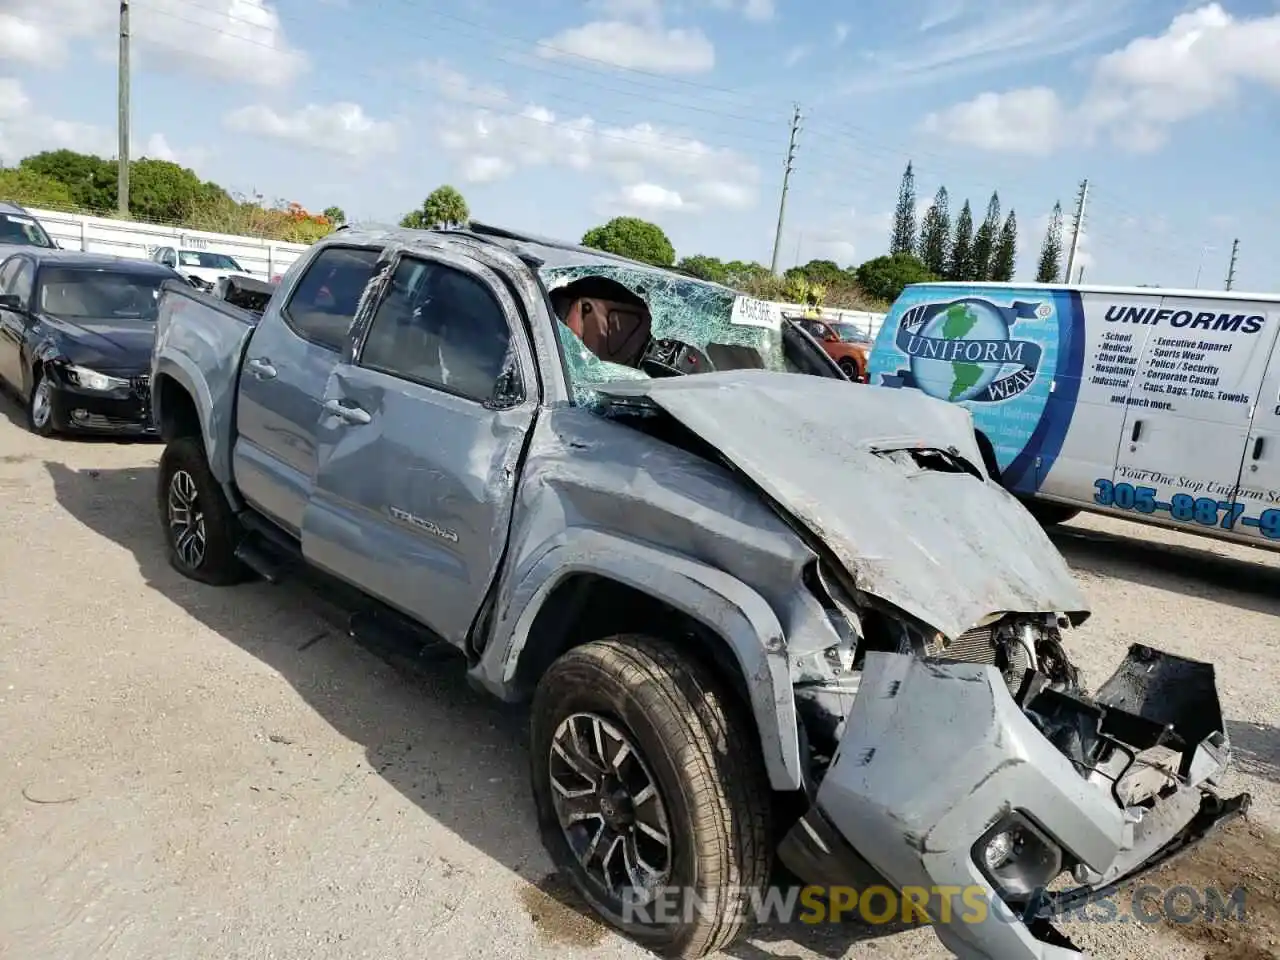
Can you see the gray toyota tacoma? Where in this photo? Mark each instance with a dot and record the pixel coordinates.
(760, 612)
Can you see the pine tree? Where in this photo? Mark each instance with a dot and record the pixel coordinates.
(935, 235)
(984, 241)
(1004, 256)
(960, 264)
(903, 239)
(1050, 267)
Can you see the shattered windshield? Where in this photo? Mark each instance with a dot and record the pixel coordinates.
(690, 326)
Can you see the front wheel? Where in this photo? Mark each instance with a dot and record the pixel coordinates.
(851, 370)
(200, 529)
(1051, 514)
(40, 407)
(651, 793)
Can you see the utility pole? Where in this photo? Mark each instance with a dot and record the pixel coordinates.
(1231, 270)
(1076, 225)
(786, 180)
(122, 120)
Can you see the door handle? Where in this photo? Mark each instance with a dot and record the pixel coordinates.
(1257, 448)
(261, 368)
(347, 412)
(1137, 431)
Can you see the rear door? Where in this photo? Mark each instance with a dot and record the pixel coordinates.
(420, 440)
(287, 364)
(1258, 496)
(1188, 416)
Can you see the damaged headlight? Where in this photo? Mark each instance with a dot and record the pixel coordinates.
(1017, 857)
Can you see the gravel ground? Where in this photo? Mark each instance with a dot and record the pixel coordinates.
(191, 772)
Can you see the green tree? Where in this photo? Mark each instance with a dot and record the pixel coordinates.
(91, 180)
(935, 234)
(35, 189)
(634, 238)
(960, 263)
(337, 216)
(884, 277)
(1005, 255)
(741, 274)
(826, 272)
(164, 191)
(705, 268)
(903, 238)
(1050, 267)
(443, 207)
(984, 241)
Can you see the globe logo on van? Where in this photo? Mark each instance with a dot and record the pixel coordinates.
(965, 350)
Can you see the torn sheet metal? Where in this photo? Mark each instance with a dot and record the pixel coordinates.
(948, 548)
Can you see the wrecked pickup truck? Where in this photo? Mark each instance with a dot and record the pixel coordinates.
(759, 611)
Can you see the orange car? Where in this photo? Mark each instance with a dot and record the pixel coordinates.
(845, 343)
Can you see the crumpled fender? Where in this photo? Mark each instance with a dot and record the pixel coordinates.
(726, 606)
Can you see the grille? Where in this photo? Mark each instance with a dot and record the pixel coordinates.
(141, 386)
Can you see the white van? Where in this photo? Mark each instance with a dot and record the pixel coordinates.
(1162, 406)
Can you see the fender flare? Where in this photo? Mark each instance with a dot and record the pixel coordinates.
(178, 368)
(727, 607)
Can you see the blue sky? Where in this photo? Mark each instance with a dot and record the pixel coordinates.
(553, 115)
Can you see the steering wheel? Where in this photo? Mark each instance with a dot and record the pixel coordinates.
(671, 358)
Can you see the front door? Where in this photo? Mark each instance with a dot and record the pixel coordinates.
(1189, 411)
(1259, 493)
(420, 442)
(12, 328)
(288, 362)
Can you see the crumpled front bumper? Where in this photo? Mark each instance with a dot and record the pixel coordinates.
(936, 754)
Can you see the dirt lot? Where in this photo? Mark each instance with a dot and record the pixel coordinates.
(191, 772)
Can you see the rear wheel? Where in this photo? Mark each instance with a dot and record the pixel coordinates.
(850, 369)
(200, 529)
(651, 793)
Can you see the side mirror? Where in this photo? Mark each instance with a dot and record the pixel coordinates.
(10, 301)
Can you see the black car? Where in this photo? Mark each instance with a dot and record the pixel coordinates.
(76, 332)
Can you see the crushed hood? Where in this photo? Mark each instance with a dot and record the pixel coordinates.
(945, 547)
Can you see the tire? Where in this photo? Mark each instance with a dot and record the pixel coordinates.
(40, 406)
(1051, 514)
(185, 478)
(851, 370)
(698, 751)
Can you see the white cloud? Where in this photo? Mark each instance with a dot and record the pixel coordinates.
(796, 54)
(24, 130)
(1137, 93)
(647, 164)
(342, 128)
(757, 10)
(841, 33)
(1028, 121)
(235, 40)
(634, 46)
(998, 33)
(648, 198)
(848, 239)
(940, 13)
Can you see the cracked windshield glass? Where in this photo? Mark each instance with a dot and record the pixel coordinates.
(687, 325)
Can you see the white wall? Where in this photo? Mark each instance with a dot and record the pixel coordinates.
(122, 238)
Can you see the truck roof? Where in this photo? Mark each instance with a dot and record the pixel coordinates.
(535, 250)
(1107, 289)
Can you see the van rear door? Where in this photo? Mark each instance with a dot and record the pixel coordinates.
(1259, 487)
(1187, 418)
